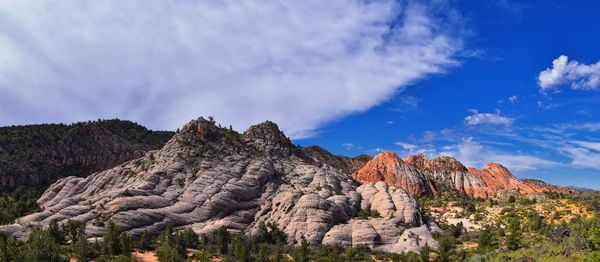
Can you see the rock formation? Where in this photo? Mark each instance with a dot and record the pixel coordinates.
(422, 177)
(388, 167)
(38, 155)
(346, 164)
(207, 177)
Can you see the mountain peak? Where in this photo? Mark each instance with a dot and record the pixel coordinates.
(205, 129)
(267, 136)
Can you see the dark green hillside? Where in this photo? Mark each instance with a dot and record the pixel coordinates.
(37, 155)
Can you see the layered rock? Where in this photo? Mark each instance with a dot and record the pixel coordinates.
(388, 167)
(207, 177)
(398, 227)
(423, 177)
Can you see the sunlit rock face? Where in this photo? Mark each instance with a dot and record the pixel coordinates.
(422, 177)
(207, 177)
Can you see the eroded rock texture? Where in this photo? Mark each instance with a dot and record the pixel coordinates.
(422, 177)
(208, 177)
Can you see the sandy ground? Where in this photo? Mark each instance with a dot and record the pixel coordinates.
(145, 257)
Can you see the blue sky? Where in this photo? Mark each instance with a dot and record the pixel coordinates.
(515, 82)
(550, 134)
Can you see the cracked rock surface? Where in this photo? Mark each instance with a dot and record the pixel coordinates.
(207, 177)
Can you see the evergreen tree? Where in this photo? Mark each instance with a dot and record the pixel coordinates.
(145, 242)
(189, 238)
(82, 249)
(41, 246)
(239, 249)
(424, 253)
(166, 237)
(73, 229)
(484, 240)
(223, 240)
(263, 253)
(125, 242)
(302, 253)
(278, 256)
(55, 231)
(513, 239)
(166, 253)
(445, 247)
(111, 243)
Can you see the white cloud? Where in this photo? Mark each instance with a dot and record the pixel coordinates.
(577, 75)
(582, 156)
(472, 153)
(162, 63)
(595, 146)
(390, 122)
(348, 146)
(487, 118)
(513, 99)
(406, 146)
(407, 104)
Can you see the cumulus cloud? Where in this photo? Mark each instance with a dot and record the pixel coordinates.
(573, 73)
(477, 118)
(162, 63)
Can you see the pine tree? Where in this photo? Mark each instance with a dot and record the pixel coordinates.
(73, 229)
(484, 241)
(446, 245)
(82, 249)
(41, 246)
(278, 256)
(424, 253)
(144, 243)
(111, 241)
(239, 249)
(301, 254)
(190, 238)
(263, 253)
(169, 254)
(125, 242)
(223, 240)
(56, 232)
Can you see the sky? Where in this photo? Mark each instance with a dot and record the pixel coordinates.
(514, 82)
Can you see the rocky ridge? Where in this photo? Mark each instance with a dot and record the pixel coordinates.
(207, 177)
(347, 164)
(422, 177)
(38, 155)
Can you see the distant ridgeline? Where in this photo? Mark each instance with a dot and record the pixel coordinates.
(38, 155)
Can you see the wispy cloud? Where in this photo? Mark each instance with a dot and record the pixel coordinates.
(477, 118)
(348, 146)
(472, 153)
(407, 104)
(162, 63)
(573, 73)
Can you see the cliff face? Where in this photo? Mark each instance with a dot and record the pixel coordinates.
(207, 177)
(423, 177)
(40, 154)
(388, 167)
